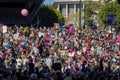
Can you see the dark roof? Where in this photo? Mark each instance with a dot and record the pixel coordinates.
(10, 10)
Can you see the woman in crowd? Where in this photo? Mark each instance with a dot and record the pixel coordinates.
(59, 54)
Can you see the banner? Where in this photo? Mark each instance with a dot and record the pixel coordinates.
(112, 19)
(56, 26)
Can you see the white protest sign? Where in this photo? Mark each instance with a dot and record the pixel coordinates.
(71, 54)
(40, 34)
(16, 36)
(4, 29)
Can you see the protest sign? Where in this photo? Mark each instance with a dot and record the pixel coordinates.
(4, 29)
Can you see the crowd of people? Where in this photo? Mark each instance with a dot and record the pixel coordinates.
(28, 53)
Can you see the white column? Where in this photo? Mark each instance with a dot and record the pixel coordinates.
(66, 10)
(58, 7)
(74, 8)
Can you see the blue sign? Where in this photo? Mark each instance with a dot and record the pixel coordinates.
(112, 19)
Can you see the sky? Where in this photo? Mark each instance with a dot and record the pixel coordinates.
(48, 1)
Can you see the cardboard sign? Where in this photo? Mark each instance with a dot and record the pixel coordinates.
(4, 29)
(16, 36)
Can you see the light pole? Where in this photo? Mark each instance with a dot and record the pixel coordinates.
(80, 15)
(84, 16)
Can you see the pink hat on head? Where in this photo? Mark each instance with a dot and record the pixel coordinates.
(91, 61)
(70, 31)
(105, 54)
(69, 26)
(70, 49)
(87, 52)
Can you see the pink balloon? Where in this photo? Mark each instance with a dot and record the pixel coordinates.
(70, 31)
(105, 54)
(87, 52)
(24, 12)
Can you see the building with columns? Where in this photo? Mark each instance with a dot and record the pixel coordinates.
(67, 7)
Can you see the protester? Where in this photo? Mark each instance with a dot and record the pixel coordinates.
(59, 54)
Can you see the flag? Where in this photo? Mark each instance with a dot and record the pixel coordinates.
(26, 30)
(56, 26)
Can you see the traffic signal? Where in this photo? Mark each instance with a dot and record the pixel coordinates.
(118, 1)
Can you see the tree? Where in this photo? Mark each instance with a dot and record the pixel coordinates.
(60, 18)
(107, 9)
(49, 16)
(91, 8)
(73, 19)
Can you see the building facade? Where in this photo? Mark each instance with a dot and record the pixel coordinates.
(68, 7)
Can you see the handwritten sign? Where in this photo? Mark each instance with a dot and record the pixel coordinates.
(4, 29)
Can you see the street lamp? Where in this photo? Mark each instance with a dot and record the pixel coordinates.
(80, 15)
(84, 16)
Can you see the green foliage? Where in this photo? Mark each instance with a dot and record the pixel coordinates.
(60, 18)
(49, 15)
(109, 8)
(90, 8)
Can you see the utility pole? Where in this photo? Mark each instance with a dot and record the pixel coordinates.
(84, 15)
(80, 15)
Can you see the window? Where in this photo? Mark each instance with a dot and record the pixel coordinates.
(63, 9)
(78, 7)
(71, 8)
